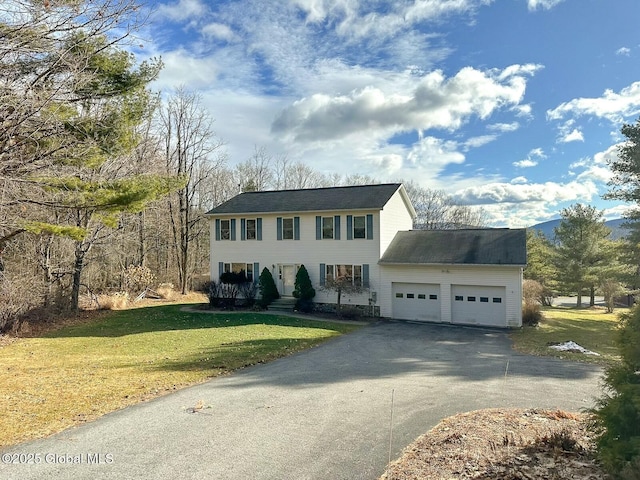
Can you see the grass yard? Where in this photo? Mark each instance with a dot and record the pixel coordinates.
(80, 372)
(593, 329)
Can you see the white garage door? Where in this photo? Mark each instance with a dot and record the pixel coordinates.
(416, 301)
(481, 305)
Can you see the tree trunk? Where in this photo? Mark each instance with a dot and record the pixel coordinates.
(579, 299)
(592, 299)
(45, 254)
(141, 243)
(78, 264)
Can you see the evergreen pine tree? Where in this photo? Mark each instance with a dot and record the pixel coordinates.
(303, 290)
(267, 287)
(617, 415)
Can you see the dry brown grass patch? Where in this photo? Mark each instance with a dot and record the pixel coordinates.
(501, 444)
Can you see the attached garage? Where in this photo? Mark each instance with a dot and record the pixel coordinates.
(474, 276)
(416, 301)
(478, 304)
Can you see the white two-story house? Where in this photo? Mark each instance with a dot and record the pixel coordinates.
(364, 233)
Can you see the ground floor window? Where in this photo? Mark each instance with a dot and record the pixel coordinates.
(342, 272)
(247, 268)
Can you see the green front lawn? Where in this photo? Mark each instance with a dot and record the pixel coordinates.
(593, 329)
(80, 372)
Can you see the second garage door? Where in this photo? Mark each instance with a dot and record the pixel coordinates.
(478, 304)
(416, 301)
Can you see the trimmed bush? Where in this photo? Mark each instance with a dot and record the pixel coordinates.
(304, 291)
(617, 414)
(267, 288)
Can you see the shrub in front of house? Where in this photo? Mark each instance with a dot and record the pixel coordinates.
(267, 288)
(222, 295)
(303, 291)
(249, 292)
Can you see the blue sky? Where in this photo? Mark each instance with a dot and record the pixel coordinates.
(513, 105)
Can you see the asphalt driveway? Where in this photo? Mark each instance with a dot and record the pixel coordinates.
(331, 412)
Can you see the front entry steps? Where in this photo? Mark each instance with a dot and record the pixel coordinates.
(283, 304)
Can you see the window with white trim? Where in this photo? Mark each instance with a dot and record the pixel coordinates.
(360, 226)
(250, 229)
(348, 273)
(327, 227)
(287, 228)
(225, 229)
(247, 268)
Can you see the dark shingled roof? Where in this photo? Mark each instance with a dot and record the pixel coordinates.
(498, 246)
(310, 200)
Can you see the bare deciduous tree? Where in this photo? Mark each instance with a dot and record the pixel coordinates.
(190, 153)
(438, 211)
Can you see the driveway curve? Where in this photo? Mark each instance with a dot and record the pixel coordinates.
(337, 411)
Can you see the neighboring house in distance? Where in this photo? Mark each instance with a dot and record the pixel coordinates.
(364, 233)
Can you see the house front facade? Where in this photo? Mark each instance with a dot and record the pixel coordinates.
(357, 233)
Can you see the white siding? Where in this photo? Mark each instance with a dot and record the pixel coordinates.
(446, 276)
(394, 217)
(269, 252)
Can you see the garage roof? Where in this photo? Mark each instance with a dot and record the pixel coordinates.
(361, 197)
(488, 246)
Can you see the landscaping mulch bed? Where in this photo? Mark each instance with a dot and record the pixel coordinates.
(505, 444)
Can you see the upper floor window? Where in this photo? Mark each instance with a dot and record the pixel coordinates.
(287, 228)
(250, 229)
(225, 229)
(360, 226)
(327, 227)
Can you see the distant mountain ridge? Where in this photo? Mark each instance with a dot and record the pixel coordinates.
(547, 228)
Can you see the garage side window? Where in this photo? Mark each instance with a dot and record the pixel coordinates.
(459, 298)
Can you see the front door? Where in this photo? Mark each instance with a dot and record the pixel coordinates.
(287, 280)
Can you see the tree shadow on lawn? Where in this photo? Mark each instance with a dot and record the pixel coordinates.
(389, 350)
(174, 317)
(236, 355)
(592, 334)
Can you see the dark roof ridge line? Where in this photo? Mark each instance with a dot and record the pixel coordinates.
(321, 188)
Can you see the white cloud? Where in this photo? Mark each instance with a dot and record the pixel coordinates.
(182, 10)
(537, 152)
(596, 168)
(527, 163)
(218, 31)
(434, 154)
(609, 155)
(475, 142)
(596, 173)
(625, 51)
(202, 71)
(433, 102)
(532, 159)
(612, 106)
(504, 127)
(519, 180)
(542, 4)
(574, 135)
(549, 192)
(365, 19)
